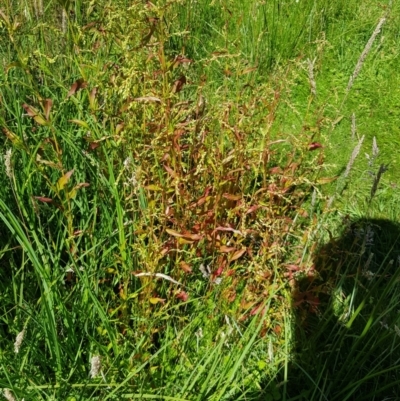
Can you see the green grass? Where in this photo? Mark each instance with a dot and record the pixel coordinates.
(161, 206)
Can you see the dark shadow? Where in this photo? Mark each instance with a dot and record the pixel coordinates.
(347, 326)
(348, 317)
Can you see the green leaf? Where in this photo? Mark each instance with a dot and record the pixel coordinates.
(64, 180)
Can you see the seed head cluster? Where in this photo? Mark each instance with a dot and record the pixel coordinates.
(7, 163)
(8, 395)
(365, 52)
(18, 341)
(95, 366)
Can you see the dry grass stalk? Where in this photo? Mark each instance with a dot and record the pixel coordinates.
(353, 126)
(375, 152)
(375, 149)
(377, 179)
(35, 8)
(365, 53)
(38, 7)
(353, 157)
(64, 20)
(330, 201)
(159, 275)
(27, 14)
(311, 76)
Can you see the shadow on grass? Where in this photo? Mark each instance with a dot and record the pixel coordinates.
(347, 326)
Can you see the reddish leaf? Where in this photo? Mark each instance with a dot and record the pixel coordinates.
(227, 229)
(314, 146)
(48, 103)
(32, 112)
(294, 165)
(180, 60)
(63, 180)
(293, 268)
(252, 209)
(76, 86)
(243, 318)
(182, 295)
(275, 170)
(74, 190)
(92, 98)
(200, 202)
(227, 249)
(308, 298)
(173, 233)
(94, 145)
(219, 271)
(232, 197)
(238, 254)
(185, 267)
(88, 26)
(82, 185)
(203, 198)
(255, 310)
(303, 213)
(193, 237)
(43, 199)
(278, 330)
(178, 84)
(170, 171)
(232, 297)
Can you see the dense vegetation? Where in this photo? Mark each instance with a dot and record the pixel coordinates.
(199, 200)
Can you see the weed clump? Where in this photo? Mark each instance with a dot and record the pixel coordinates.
(148, 188)
(156, 190)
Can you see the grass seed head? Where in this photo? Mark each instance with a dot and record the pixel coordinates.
(8, 395)
(365, 53)
(353, 157)
(311, 76)
(18, 341)
(7, 163)
(353, 126)
(95, 366)
(375, 149)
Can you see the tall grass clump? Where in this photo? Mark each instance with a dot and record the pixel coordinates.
(262, 33)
